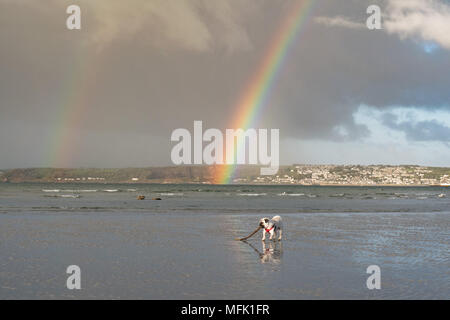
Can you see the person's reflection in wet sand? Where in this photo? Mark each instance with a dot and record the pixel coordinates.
(271, 252)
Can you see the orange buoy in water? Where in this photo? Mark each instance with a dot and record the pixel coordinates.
(141, 197)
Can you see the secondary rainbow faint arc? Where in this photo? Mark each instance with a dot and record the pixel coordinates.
(76, 93)
(258, 90)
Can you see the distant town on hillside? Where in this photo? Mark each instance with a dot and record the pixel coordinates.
(343, 175)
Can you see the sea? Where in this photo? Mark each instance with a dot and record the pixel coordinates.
(183, 246)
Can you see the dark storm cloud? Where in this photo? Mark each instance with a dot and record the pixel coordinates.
(139, 69)
(338, 69)
(428, 130)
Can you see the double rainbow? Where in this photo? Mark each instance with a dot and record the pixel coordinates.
(257, 92)
(249, 106)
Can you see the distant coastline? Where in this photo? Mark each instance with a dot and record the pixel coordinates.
(312, 175)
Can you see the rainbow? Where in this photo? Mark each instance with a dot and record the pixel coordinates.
(258, 90)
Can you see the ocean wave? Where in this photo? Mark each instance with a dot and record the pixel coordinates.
(70, 196)
(171, 193)
(337, 195)
(111, 190)
(252, 194)
(74, 196)
(50, 190)
(291, 194)
(52, 208)
(401, 195)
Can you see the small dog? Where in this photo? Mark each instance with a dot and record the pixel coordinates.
(272, 226)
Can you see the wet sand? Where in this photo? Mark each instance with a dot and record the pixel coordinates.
(190, 255)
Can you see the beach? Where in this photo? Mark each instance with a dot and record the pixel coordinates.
(183, 247)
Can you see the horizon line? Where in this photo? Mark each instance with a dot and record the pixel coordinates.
(225, 165)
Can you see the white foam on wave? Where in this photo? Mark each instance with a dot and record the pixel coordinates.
(63, 196)
(291, 194)
(111, 190)
(50, 190)
(252, 194)
(171, 194)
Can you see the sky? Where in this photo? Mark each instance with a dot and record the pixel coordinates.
(110, 94)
